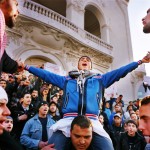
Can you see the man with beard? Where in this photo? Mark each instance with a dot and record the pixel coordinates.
(144, 111)
(146, 22)
(8, 15)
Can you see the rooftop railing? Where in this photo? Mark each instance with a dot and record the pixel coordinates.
(30, 8)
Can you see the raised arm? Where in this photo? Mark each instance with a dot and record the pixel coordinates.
(47, 76)
(115, 75)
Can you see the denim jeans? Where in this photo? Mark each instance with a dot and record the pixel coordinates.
(98, 142)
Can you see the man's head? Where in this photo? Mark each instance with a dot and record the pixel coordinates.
(53, 107)
(131, 127)
(34, 93)
(8, 124)
(54, 98)
(10, 11)
(44, 91)
(117, 119)
(84, 63)
(43, 108)
(3, 83)
(11, 78)
(81, 132)
(107, 105)
(133, 116)
(117, 108)
(146, 22)
(26, 99)
(101, 119)
(4, 111)
(144, 114)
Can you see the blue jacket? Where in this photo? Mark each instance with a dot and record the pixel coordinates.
(72, 101)
(32, 132)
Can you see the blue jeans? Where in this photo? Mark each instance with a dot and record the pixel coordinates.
(98, 142)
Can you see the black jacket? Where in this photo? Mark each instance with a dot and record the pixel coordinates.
(19, 124)
(139, 142)
(8, 143)
(7, 64)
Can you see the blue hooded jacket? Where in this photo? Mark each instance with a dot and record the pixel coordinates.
(88, 102)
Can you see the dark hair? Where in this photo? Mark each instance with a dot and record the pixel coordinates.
(129, 106)
(81, 121)
(132, 113)
(133, 122)
(145, 100)
(24, 93)
(3, 80)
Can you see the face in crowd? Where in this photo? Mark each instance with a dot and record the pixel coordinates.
(101, 119)
(34, 94)
(27, 99)
(10, 11)
(144, 122)
(146, 22)
(132, 129)
(8, 124)
(81, 137)
(52, 108)
(4, 111)
(43, 110)
(84, 63)
(3, 84)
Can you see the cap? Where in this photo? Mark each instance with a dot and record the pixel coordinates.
(3, 94)
(42, 103)
(9, 117)
(11, 76)
(117, 115)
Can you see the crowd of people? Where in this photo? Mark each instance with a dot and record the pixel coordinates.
(47, 111)
(36, 105)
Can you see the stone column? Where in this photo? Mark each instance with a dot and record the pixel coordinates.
(75, 12)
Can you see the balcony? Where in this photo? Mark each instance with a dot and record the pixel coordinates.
(50, 18)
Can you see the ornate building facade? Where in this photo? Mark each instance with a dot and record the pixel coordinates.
(61, 31)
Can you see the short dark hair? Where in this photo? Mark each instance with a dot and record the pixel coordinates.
(145, 100)
(82, 121)
(133, 122)
(3, 80)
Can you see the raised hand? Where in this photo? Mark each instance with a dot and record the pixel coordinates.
(146, 59)
(21, 66)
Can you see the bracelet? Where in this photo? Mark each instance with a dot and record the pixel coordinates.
(140, 62)
(26, 67)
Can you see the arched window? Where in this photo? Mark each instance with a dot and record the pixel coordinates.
(91, 23)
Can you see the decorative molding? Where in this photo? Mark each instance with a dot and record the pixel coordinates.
(77, 50)
(77, 4)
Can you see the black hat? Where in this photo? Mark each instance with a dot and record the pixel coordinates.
(42, 103)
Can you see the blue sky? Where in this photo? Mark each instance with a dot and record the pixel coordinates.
(140, 42)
